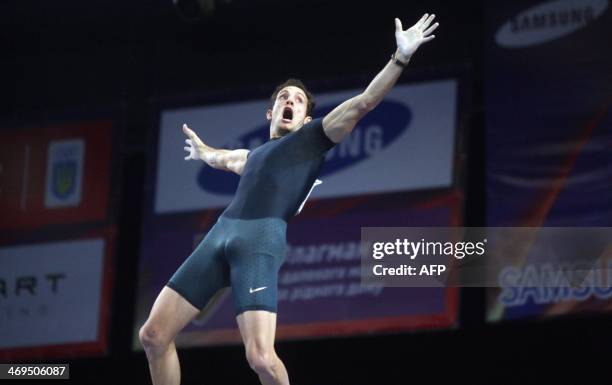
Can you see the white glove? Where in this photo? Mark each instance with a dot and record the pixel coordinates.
(409, 41)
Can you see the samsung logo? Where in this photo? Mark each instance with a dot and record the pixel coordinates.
(375, 132)
(549, 21)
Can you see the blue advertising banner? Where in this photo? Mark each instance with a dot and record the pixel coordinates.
(549, 124)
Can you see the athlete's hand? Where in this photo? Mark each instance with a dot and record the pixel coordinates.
(408, 41)
(195, 147)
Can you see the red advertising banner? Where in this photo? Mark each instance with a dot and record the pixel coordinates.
(55, 175)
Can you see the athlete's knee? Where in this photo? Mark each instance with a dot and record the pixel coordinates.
(262, 359)
(153, 338)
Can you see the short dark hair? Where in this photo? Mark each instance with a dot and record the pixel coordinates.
(295, 83)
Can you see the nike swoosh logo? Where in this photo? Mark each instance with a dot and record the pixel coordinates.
(251, 290)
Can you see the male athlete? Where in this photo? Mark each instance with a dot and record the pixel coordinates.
(246, 246)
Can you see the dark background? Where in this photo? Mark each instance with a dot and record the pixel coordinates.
(68, 59)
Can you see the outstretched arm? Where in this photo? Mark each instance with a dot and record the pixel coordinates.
(341, 121)
(226, 160)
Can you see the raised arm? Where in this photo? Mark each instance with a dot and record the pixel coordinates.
(226, 160)
(340, 122)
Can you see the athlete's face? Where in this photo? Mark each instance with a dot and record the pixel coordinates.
(288, 113)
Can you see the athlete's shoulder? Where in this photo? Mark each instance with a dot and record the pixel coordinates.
(315, 125)
(314, 122)
(315, 136)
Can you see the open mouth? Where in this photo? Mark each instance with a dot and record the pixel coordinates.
(288, 114)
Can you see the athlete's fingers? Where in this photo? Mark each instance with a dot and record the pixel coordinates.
(422, 20)
(430, 29)
(398, 25)
(428, 21)
(188, 157)
(187, 148)
(428, 38)
(189, 142)
(188, 131)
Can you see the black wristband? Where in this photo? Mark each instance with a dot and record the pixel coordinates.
(398, 61)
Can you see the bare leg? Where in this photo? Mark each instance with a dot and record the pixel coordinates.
(258, 330)
(170, 314)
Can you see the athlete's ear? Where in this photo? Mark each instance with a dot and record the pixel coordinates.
(307, 119)
(269, 114)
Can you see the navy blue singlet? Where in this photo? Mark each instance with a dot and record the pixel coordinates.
(279, 174)
(246, 247)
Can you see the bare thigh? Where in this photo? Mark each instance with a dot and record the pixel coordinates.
(170, 314)
(257, 327)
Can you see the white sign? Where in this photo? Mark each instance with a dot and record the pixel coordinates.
(50, 293)
(406, 143)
